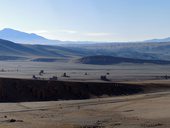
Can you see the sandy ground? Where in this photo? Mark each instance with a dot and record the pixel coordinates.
(137, 111)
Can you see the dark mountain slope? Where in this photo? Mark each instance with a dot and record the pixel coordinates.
(108, 60)
(156, 51)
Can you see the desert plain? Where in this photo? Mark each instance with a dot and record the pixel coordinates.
(147, 109)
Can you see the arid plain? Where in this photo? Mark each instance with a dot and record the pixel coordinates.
(149, 108)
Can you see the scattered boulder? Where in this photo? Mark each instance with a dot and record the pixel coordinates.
(41, 72)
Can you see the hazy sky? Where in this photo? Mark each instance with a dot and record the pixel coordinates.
(88, 20)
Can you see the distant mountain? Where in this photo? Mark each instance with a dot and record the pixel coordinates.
(42, 48)
(25, 38)
(31, 38)
(159, 40)
(109, 54)
(108, 60)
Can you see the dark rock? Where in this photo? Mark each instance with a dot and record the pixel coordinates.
(12, 120)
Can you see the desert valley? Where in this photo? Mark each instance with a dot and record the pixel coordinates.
(84, 85)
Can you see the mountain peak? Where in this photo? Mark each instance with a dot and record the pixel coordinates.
(16, 31)
(23, 37)
(11, 30)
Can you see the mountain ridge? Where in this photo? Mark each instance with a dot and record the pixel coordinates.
(25, 38)
(167, 39)
(32, 38)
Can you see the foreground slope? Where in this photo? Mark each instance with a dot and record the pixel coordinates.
(138, 111)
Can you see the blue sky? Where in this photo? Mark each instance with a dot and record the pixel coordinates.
(88, 20)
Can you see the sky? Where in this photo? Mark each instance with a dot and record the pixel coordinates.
(88, 20)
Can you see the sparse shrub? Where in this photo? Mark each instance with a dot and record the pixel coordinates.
(34, 77)
(65, 75)
(54, 78)
(104, 77)
(41, 72)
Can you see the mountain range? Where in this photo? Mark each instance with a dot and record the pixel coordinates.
(159, 40)
(17, 45)
(31, 38)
